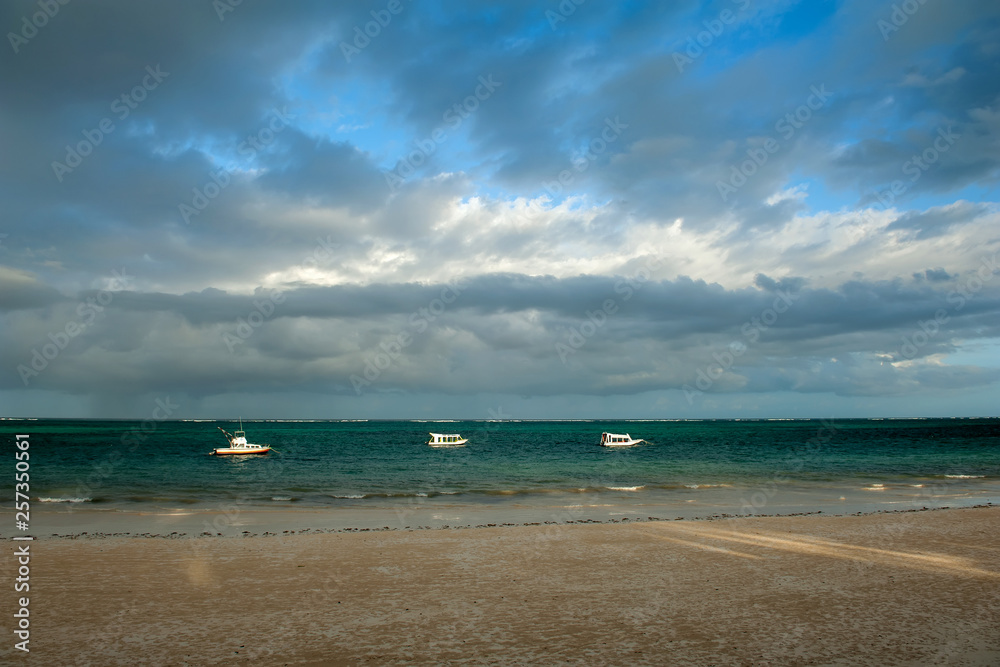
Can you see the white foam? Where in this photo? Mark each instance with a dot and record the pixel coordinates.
(625, 488)
(65, 500)
(965, 476)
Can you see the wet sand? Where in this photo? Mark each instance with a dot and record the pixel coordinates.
(909, 588)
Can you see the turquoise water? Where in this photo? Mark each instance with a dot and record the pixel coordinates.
(121, 464)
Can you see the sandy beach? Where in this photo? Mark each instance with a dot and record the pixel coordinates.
(908, 588)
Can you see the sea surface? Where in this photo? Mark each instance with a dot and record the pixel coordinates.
(339, 471)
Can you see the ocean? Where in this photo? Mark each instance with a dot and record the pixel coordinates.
(352, 473)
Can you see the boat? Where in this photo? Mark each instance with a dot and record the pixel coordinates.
(618, 440)
(238, 444)
(446, 440)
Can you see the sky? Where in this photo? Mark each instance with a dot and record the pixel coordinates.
(499, 210)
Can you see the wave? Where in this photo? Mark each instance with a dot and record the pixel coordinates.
(65, 500)
(965, 476)
(524, 491)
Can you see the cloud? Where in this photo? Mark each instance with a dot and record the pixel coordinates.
(257, 160)
(517, 334)
(934, 275)
(19, 290)
(936, 221)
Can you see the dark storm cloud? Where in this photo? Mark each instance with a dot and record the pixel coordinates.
(323, 171)
(829, 98)
(20, 291)
(215, 88)
(934, 275)
(502, 330)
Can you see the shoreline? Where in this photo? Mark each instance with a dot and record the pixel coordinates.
(913, 587)
(273, 518)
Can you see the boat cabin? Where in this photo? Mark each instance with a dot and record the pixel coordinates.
(617, 440)
(446, 439)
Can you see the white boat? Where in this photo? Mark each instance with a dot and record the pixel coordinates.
(618, 440)
(446, 440)
(238, 444)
